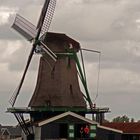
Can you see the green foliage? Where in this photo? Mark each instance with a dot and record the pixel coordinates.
(132, 120)
(123, 119)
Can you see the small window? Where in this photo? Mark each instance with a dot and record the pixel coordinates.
(93, 127)
(92, 135)
(71, 135)
(71, 127)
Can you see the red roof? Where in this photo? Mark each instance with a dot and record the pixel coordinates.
(131, 128)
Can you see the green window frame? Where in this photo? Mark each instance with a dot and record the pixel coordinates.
(71, 131)
(92, 135)
(93, 127)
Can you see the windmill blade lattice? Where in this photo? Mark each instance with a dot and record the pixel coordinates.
(14, 96)
(45, 24)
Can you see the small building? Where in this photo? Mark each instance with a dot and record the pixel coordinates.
(10, 133)
(65, 126)
(120, 131)
(107, 133)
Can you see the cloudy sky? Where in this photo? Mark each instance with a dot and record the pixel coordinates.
(109, 26)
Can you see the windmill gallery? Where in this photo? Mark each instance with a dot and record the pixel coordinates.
(58, 107)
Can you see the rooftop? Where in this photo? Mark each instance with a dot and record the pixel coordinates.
(12, 130)
(127, 128)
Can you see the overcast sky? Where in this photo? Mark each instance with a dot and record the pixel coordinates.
(109, 26)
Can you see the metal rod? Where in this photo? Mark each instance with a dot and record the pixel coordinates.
(98, 78)
(24, 130)
(25, 125)
(83, 65)
(65, 54)
(89, 50)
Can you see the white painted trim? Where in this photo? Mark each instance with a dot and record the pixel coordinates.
(66, 114)
(37, 131)
(5, 129)
(110, 129)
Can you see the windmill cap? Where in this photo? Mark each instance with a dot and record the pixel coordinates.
(51, 36)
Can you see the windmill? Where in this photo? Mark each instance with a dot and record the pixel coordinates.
(36, 35)
(57, 88)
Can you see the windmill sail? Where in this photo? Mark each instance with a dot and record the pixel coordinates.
(48, 51)
(13, 99)
(43, 14)
(24, 27)
(46, 16)
(29, 31)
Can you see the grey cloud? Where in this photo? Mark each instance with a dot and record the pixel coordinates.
(18, 59)
(108, 26)
(113, 21)
(6, 32)
(102, 20)
(114, 54)
(17, 3)
(116, 85)
(20, 8)
(121, 104)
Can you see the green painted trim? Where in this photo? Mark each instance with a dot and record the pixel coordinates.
(57, 109)
(83, 80)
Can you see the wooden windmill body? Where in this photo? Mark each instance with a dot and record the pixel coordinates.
(57, 83)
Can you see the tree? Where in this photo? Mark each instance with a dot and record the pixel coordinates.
(123, 118)
(132, 120)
